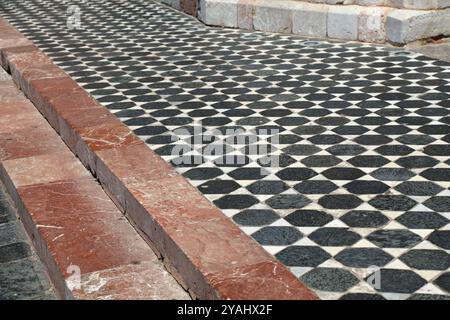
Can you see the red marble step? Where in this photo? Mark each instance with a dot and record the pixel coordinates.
(201, 247)
(89, 248)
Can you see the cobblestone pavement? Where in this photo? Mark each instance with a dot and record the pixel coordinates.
(363, 135)
(21, 273)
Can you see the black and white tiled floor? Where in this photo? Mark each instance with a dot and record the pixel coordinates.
(364, 140)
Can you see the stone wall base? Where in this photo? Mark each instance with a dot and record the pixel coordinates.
(360, 22)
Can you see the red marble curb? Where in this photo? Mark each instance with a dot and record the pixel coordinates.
(201, 247)
(88, 247)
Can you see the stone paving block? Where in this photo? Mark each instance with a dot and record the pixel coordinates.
(189, 6)
(245, 14)
(136, 280)
(128, 166)
(372, 25)
(81, 226)
(405, 26)
(272, 17)
(219, 12)
(41, 169)
(343, 22)
(10, 93)
(310, 20)
(51, 96)
(17, 141)
(252, 282)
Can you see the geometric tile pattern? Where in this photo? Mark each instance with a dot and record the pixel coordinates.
(363, 135)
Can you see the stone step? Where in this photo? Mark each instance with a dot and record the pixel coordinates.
(401, 4)
(199, 245)
(88, 247)
(367, 23)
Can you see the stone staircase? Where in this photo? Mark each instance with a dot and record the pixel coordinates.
(398, 22)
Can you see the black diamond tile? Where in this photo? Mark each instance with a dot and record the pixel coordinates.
(419, 296)
(440, 238)
(282, 160)
(248, 173)
(235, 201)
(326, 139)
(203, 173)
(397, 238)
(350, 130)
(301, 150)
(362, 296)
(346, 150)
(368, 161)
(417, 139)
(364, 219)
(339, 201)
(394, 150)
(218, 186)
(438, 150)
(288, 201)
(302, 256)
(14, 251)
(296, 174)
(427, 259)
(419, 188)
(277, 236)
(372, 140)
(332, 121)
(392, 174)
(329, 279)
(435, 129)
(267, 187)
(315, 187)
(440, 204)
(321, 161)
(334, 237)
(437, 174)
(363, 257)
(417, 162)
(308, 218)
(309, 130)
(423, 220)
(443, 281)
(366, 187)
(255, 217)
(343, 173)
(398, 281)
